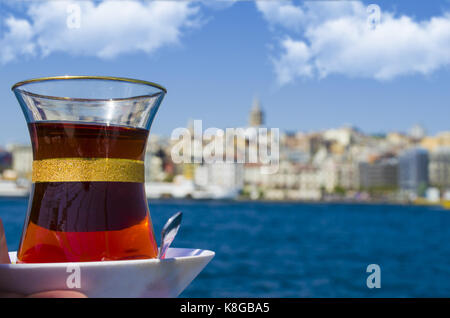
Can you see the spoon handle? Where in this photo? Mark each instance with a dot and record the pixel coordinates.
(168, 233)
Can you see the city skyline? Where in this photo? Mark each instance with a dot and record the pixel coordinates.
(415, 129)
(336, 164)
(213, 67)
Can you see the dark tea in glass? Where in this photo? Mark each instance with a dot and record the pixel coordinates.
(88, 199)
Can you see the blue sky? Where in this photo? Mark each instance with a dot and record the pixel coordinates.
(301, 59)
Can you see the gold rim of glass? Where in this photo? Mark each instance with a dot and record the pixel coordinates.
(106, 78)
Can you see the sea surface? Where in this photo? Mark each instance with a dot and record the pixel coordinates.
(302, 250)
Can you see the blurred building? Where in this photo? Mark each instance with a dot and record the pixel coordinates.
(309, 184)
(417, 132)
(398, 140)
(252, 174)
(413, 170)
(381, 174)
(348, 177)
(220, 174)
(329, 173)
(154, 168)
(22, 160)
(157, 159)
(292, 181)
(442, 139)
(256, 118)
(343, 136)
(5, 160)
(284, 178)
(439, 168)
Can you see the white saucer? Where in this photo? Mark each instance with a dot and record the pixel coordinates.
(129, 278)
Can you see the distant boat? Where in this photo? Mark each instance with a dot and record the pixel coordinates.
(216, 193)
(187, 189)
(155, 190)
(9, 188)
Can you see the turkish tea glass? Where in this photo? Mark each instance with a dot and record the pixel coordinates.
(89, 136)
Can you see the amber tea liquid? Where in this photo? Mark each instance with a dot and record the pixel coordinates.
(78, 221)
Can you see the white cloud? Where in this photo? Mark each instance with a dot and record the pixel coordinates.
(282, 13)
(107, 29)
(335, 38)
(17, 40)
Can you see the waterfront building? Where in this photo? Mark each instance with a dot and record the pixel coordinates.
(309, 184)
(329, 174)
(274, 194)
(439, 168)
(337, 171)
(413, 170)
(379, 174)
(348, 175)
(154, 168)
(252, 174)
(284, 178)
(22, 160)
(259, 175)
(157, 159)
(5, 160)
(220, 174)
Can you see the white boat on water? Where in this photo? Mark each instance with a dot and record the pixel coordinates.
(216, 193)
(166, 189)
(187, 189)
(9, 188)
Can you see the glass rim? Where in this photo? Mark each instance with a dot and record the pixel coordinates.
(18, 85)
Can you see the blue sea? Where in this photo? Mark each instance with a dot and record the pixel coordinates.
(302, 250)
